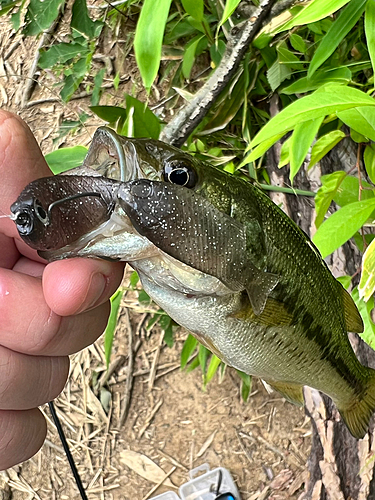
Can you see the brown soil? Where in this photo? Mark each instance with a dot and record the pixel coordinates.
(172, 420)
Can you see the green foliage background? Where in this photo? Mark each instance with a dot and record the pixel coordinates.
(318, 57)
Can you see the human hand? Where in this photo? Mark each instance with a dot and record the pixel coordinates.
(46, 311)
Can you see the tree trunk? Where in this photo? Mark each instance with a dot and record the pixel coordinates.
(340, 466)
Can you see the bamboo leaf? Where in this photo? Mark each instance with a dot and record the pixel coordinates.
(366, 287)
(230, 7)
(111, 325)
(188, 349)
(300, 142)
(330, 99)
(148, 38)
(370, 30)
(65, 159)
(212, 368)
(324, 144)
(338, 30)
(342, 225)
(314, 11)
(321, 77)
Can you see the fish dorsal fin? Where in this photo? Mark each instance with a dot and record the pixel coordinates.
(273, 314)
(291, 392)
(353, 319)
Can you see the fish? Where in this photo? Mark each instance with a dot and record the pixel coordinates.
(294, 335)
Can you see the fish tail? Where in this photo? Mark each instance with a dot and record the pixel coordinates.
(357, 415)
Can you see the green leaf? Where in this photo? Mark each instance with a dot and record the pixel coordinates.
(346, 281)
(369, 159)
(194, 8)
(109, 114)
(146, 124)
(366, 287)
(148, 38)
(65, 159)
(168, 335)
(111, 325)
(340, 75)
(362, 120)
(212, 368)
(230, 7)
(81, 21)
(300, 142)
(134, 278)
(98, 81)
(298, 43)
(260, 149)
(246, 381)
(284, 153)
(40, 15)
(326, 193)
(193, 365)
(314, 11)
(61, 53)
(189, 56)
(277, 73)
(324, 144)
(348, 191)
(73, 80)
(188, 349)
(202, 356)
(370, 30)
(365, 308)
(330, 99)
(342, 225)
(338, 30)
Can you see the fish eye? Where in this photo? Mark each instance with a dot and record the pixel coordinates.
(41, 213)
(180, 173)
(24, 222)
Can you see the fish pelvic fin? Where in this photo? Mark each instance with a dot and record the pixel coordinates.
(353, 319)
(259, 288)
(358, 414)
(291, 392)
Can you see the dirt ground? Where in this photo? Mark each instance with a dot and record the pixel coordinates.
(172, 421)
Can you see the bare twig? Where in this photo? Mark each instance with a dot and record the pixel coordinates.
(177, 131)
(159, 484)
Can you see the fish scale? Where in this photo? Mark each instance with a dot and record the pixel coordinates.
(226, 263)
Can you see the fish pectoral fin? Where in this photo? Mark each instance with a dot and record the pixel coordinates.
(291, 392)
(273, 314)
(353, 319)
(259, 288)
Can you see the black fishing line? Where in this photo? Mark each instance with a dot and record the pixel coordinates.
(67, 450)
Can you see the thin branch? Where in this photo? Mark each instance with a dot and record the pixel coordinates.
(177, 131)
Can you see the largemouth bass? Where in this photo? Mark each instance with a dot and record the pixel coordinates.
(293, 333)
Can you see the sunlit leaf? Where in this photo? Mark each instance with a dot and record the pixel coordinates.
(362, 120)
(260, 149)
(342, 225)
(370, 30)
(324, 144)
(148, 38)
(366, 287)
(365, 308)
(284, 153)
(230, 7)
(369, 159)
(212, 368)
(65, 159)
(189, 56)
(338, 30)
(326, 193)
(349, 191)
(61, 53)
(202, 356)
(300, 143)
(314, 11)
(330, 99)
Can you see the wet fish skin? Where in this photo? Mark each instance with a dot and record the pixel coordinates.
(300, 337)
